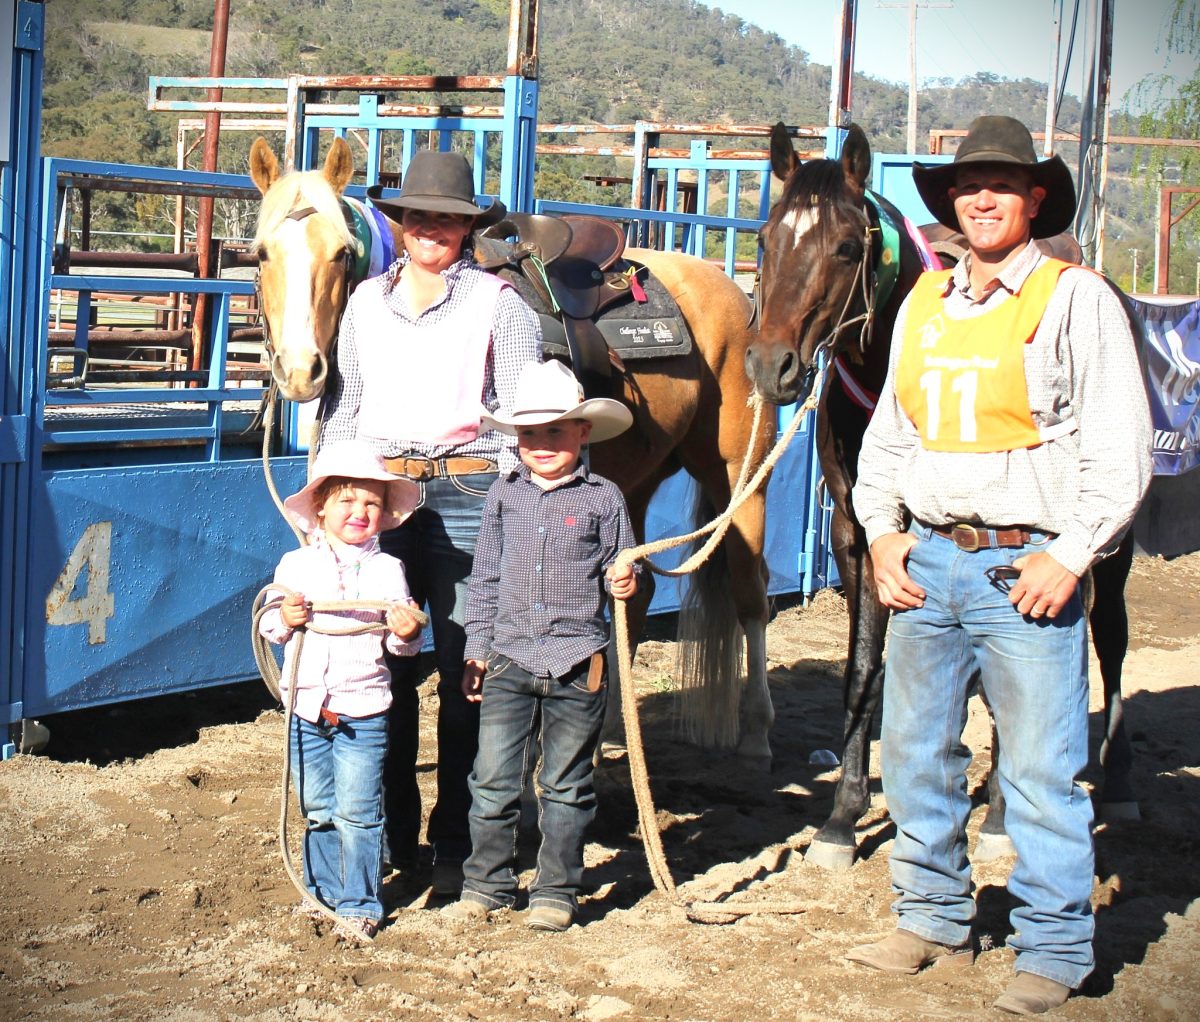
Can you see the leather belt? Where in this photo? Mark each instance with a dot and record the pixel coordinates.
(419, 468)
(979, 537)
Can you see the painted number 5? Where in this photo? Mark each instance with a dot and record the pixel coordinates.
(95, 606)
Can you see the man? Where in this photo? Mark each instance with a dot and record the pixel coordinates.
(1013, 433)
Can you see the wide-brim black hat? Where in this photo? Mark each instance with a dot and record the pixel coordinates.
(441, 183)
(1001, 141)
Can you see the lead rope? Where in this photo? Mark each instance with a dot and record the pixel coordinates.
(660, 872)
(272, 676)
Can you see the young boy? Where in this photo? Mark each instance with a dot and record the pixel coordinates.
(536, 636)
(343, 686)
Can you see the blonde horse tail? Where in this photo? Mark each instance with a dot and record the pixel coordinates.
(708, 659)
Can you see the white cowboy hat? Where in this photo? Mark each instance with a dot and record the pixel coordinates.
(547, 392)
(353, 459)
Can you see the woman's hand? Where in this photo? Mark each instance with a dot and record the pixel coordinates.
(401, 624)
(295, 611)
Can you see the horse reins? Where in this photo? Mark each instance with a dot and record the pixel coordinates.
(743, 489)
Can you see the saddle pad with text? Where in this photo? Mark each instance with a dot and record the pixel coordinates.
(654, 328)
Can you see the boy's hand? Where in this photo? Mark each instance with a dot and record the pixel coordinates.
(294, 611)
(403, 626)
(622, 581)
(472, 680)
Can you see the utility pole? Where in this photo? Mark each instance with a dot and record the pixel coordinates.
(1133, 284)
(912, 6)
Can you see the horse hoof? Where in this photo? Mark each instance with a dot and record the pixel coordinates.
(990, 847)
(1112, 812)
(835, 858)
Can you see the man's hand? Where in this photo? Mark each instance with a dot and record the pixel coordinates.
(403, 625)
(622, 581)
(472, 680)
(294, 611)
(889, 555)
(1044, 587)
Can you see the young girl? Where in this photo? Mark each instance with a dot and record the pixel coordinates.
(339, 735)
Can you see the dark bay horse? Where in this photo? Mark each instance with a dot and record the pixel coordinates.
(689, 411)
(837, 263)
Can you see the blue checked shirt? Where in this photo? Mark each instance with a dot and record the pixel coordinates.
(516, 339)
(538, 593)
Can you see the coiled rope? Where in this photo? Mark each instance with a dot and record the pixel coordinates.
(660, 872)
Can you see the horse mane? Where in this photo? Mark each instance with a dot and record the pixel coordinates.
(296, 190)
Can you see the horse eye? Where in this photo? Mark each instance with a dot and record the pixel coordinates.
(262, 253)
(850, 251)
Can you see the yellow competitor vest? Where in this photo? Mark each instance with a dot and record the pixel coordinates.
(962, 381)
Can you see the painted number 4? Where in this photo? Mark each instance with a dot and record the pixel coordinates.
(95, 606)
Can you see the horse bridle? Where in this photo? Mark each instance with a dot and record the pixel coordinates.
(303, 213)
(864, 283)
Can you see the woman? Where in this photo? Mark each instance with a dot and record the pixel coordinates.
(423, 350)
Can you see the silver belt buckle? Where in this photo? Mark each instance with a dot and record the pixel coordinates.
(966, 537)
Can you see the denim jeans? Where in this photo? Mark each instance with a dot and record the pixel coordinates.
(1034, 675)
(437, 545)
(518, 708)
(337, 772)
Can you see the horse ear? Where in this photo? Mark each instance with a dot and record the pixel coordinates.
(783, 154)
(264, 167)
(856, 156)
(339, 165)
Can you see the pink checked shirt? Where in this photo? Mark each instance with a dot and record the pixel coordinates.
(346, 674)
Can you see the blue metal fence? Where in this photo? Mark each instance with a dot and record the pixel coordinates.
(136, 526)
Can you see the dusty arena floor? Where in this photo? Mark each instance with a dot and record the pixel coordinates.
(141, 878)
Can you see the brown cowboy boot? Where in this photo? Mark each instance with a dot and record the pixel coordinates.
(905, 952)
(1029, 994)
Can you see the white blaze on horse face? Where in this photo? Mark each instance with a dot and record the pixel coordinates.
(800, 222)
(298, 336)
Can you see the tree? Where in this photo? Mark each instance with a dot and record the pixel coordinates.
(1171, 109)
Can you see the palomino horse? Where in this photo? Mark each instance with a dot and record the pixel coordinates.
(688, 410)
(829, 284)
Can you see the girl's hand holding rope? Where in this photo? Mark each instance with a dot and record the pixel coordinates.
(401, 622)
(295, 611)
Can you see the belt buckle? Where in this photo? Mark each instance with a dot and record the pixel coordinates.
(966, 537)
(427, 470)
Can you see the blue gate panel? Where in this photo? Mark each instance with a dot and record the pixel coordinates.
(891, 177)
(142, 581)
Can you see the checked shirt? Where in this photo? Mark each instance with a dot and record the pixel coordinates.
(538, 592)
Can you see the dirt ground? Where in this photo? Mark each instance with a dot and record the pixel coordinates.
(141, 877)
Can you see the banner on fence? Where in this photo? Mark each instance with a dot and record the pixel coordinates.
(1172, 363)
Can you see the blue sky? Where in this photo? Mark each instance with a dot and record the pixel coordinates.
(969, 36)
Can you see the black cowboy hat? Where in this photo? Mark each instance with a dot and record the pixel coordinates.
(442, 183)
(1001, 141)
